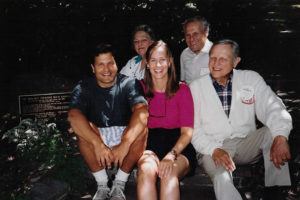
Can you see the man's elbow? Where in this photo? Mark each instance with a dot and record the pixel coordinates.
(143, 114)
(72, 114)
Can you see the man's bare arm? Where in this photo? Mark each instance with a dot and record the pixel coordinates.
(136, 126)
(82, 126)
(138, 122)
(87, 131)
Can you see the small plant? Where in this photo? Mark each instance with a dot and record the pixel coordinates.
(35, 149)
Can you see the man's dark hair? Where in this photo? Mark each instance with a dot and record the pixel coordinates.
(101, 48)
(145, 28)
(234, 46)
(198, 19)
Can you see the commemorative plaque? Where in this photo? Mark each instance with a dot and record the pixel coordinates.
(43, 106)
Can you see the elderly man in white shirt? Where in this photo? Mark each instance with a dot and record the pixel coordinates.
(194, 59)
(227, 102)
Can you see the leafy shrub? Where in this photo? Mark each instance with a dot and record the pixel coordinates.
(35, 148)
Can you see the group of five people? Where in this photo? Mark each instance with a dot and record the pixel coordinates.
(144, 117)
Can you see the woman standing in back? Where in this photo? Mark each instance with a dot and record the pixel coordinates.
(142, 38)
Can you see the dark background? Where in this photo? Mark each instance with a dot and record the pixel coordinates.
(44, 48)
(44, 43)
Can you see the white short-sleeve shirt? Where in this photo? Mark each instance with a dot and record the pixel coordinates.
(193, 65)
(133, 68)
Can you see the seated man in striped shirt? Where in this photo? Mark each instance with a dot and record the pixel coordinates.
(109, 114)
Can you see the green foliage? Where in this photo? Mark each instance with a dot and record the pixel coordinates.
(35, 149)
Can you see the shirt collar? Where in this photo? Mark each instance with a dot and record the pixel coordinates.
(205, 49)
(207, 46)
(137, 59)
(228, 81)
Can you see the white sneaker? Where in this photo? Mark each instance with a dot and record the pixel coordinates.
(117, 190)
(102, 192)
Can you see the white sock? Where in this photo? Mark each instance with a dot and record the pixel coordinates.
(122, 176)
(101, 176)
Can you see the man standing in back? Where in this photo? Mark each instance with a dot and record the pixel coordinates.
(194, 58)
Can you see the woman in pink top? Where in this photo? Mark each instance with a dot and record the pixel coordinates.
(169, 154)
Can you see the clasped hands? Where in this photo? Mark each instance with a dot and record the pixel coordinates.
(279, 154)
(107, 158)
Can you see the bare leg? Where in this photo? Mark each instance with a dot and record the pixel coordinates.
(135, 152)
(87, 152)
(169, 186)
(147, 176)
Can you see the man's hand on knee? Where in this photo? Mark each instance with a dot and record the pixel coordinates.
(280, 151)
(222, 158)
(103, 155)
(119, 152)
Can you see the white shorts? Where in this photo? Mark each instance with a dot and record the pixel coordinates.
(112, 135)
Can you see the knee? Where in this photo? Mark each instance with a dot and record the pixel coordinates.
(147, 167)
(212, 170)
(146, 175)
(208, 165)
(82, 142)
(268, 139)
(172, 179)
